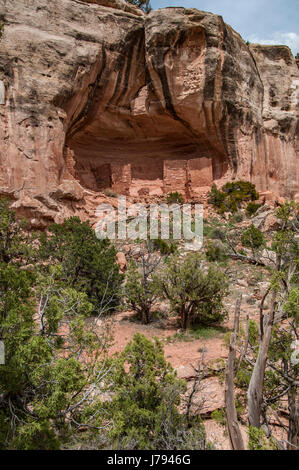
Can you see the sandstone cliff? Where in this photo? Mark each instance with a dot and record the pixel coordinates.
(94, 94)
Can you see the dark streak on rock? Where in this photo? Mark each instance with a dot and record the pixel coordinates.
(140, 53)
(83, 115)
(159, 65)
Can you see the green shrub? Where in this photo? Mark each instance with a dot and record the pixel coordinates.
(217, 198)
(42, 324)
(215, 252)
(253, 332)
(43, 375)
(207, 230)
(236, 218)
(164, 247)
(140, 291)
(259, 441)
(213, 229)
(291, 305)
(144, 408)
(175, 198)
(195, 295)
(88, 264)
(218, 233)
(242, 190)
(230, 198)
(219, 416)
(251, 208)
(253, 238)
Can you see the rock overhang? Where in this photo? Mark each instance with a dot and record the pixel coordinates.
(96, 83)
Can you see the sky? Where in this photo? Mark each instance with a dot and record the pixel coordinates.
(261, 21)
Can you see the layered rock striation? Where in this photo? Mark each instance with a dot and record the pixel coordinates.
(95, 94)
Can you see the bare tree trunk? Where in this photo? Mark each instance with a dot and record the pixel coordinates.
(256, 385)
(234, 432)
(145, 316)
(293, 434)
(184, 318)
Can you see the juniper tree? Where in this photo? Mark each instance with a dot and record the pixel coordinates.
(195, 293)
(50, 382)
(141, 290)
(52, 365)
(88, 264)
(143, 409)
(254, 239)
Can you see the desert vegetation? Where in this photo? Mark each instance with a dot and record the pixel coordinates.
(61, 290)
(232, 195)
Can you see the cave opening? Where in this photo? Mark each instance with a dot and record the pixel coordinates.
(135, 130)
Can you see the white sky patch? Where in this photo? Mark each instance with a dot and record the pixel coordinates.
(281, 38)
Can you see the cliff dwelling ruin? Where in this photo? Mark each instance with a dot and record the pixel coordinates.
(146, 169)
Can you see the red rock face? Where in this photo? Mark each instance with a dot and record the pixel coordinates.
(97, 95)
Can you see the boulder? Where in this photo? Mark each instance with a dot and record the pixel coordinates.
(121, 261)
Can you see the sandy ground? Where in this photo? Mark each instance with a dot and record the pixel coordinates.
(178, 353)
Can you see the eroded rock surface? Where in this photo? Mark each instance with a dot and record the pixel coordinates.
(99, 95)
